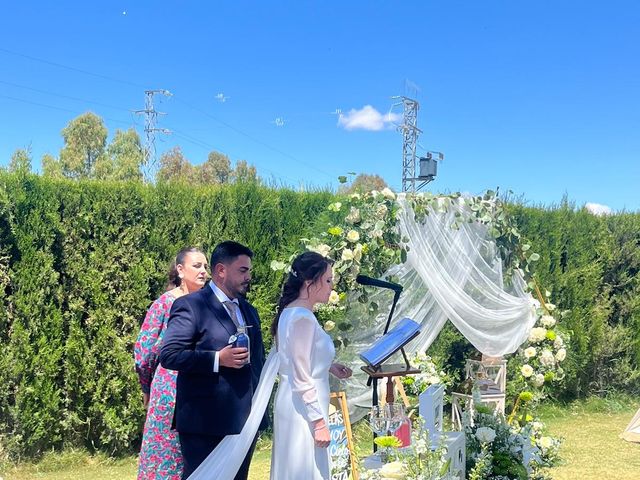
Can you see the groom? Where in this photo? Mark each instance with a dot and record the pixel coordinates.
(215, 381)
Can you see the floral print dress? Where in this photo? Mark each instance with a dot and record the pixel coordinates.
(160, 455)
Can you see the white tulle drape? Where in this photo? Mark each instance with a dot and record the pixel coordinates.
(223, 463)
(453, 272)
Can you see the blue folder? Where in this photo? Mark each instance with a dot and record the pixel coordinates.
(390, 343)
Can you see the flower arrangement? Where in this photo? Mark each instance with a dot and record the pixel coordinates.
(419, 462)
(538, 363)
(498, 450)
(429, 375)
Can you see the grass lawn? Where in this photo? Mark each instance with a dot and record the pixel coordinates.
(591, 449)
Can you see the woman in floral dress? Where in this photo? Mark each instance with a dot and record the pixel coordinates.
(160, 456)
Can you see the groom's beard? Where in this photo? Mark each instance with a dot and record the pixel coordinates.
(243, 289)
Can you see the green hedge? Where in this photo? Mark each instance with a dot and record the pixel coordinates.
(591, 265)
(80, 262)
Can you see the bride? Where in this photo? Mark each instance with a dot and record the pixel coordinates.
(306, 357)
(303, 359)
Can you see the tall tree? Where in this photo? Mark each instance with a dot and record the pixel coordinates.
(51, 166)
(217, 169)
(85, 138)
(21, 160)
(245, 172)
(124, 157)
(365, 182)
(174, 167)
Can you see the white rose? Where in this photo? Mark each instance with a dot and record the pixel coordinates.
(375, 193)
(376, 233)
(277, 265)
(353, 236)
(537, 334)
(545, 442)
(355, 196)
(538, 380)
(526, 370)
(561, 355)
(354, 216)
(530, 352)
(329, 325)
(393, 470)
(381, 210)
(547, 359)
(347, 254)
(357, 252)
(334, 298)
(548, 321)
(485, 434)
(323, 249)
(387, 193)
(558, 342)
(537, 426)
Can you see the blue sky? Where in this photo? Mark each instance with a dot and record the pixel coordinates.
(538, 97)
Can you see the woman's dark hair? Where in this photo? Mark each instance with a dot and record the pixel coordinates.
(306, 266)
(174, 276)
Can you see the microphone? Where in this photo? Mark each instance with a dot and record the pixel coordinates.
(374, 282)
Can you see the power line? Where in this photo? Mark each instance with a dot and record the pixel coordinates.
(259, 142)
(68, 97)
(74, 69)
(75, 112)
(207, 146)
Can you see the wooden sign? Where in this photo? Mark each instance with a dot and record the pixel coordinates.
(341, 450)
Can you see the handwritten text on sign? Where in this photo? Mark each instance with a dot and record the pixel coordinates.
(340, 448)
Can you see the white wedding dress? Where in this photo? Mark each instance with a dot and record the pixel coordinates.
(306, 352)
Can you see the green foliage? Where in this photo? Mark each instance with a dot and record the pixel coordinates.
(216, 170)
(80, 262)
(21, 161)
(85, 139)
(124, 158)
(363, 183)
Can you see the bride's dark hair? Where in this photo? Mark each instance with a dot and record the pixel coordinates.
(306, 266)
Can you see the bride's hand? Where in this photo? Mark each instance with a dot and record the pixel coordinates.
(321, 435)
(340, 371)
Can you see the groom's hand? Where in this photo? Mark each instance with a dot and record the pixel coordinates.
(233, 357)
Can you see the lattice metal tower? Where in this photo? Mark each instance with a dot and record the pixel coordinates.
(150, 165)
(410, 132)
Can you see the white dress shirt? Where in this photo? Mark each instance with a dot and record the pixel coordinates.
(222, 297)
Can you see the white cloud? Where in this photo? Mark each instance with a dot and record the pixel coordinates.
(367, 118)
(598, 209)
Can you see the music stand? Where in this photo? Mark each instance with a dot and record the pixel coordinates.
(380, 351)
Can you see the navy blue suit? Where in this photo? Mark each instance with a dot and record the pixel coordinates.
(209, 405)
